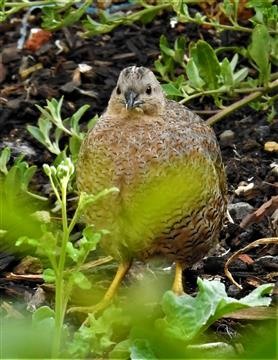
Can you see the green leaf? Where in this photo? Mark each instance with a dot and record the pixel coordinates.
(240, 75)
(92, 237)
(259, 50)
(49, 275)
(99, 334)
(171, 90)
(186, 316)
(74, 146)
(42, 313)
(81, 280)
(141, 349)
(193, 75)
(165, 47)
(121, 351)
(207, 63)
(234, 62)
(4, 159)
(227, 73)
(36, 133)
(179, 48)
(72, 252)
(75, 118)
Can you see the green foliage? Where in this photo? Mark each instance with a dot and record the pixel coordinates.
(50, 136)
(101, 333)
(63, 14)
(109, 22)
(203, 74)
(55, 244)
(186, 317)
(126, 333)
(17, 202)
(16, 179)
(259, 51)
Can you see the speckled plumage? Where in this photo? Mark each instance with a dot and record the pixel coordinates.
(166, 163)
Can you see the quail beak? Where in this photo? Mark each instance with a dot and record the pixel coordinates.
(130, 99)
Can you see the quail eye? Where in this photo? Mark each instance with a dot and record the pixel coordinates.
(118, 90)
(149, 90)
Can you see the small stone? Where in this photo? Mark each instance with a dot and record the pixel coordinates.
(10, 54)
(240, 210)
(226, 138)
(233, 291)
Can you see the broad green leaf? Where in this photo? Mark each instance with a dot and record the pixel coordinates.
(193, 75)
(207, 63)
(171, 90)
(259, 51)
(121, 351)
(42, 313)
(186, 316)
(36, 133)
(141, 349)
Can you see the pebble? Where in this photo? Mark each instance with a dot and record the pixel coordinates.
(226, 138)
(10, 54)
(240, 210)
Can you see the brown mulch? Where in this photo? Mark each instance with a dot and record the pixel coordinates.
(52, 75)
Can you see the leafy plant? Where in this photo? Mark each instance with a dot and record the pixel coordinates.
(15, 180)
(183, 320)
(203, 74)
(55, 244)
(109, 22)
(50, 137)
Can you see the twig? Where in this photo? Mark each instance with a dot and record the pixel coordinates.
(95, 263)
(263, 241)
(238, 104)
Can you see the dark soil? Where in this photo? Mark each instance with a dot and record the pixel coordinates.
(243, 154)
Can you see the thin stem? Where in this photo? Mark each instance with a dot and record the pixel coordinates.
(224, 90)
(30, 4)
(238, 104)
(60, 299)
(234, 27)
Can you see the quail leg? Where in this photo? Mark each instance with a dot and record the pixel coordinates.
(177, 287)
(121, 272)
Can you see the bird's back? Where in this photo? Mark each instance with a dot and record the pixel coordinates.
(171, 183)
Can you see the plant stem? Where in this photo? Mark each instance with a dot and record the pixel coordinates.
(60, 299)
(238, 104)
(234, 27)
(30, 3)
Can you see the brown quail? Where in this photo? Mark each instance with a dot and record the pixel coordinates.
(167, 165)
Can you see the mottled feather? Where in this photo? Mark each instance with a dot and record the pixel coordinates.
(167, 165)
